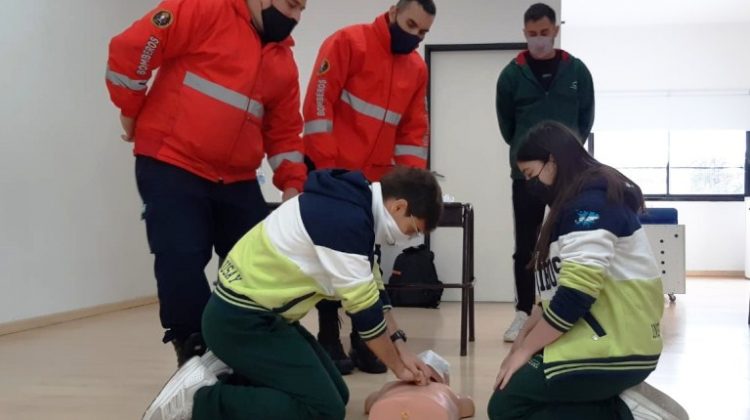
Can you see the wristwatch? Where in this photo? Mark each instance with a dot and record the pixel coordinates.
(398, 335)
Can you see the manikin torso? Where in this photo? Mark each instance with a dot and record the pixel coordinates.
(407, 401)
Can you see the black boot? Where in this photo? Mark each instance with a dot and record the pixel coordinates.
(336, 351)
(364, 359)
(234, 379)
(329, 325)
(188, 347)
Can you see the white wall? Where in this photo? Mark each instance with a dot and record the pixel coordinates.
(70, 234)
(648, 12)
(467, 150)
(668, 76)
(669, 56)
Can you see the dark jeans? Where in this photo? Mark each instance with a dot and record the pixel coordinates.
(528, 214)
(289, 376)
(186, 218)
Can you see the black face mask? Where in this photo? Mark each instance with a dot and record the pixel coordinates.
(402, 42)
(540, 190)
(276, 25)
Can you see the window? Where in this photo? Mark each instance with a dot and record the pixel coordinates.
(678, 164)
(707, 162)
(624, 150)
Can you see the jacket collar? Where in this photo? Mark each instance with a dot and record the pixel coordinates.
(378, 212)
(522, 63)
(287, 42)
(380, 25)
(521, 57)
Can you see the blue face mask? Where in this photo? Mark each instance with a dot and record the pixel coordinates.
(402, 42)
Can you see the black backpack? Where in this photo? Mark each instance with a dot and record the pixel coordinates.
(415, 265)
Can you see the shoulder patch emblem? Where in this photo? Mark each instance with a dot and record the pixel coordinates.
(162, 19)
(324, 67)
(586, 218)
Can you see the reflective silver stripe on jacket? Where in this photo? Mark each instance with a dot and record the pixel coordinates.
(121, 80)
(371, 110)
(417, 151)
(318, 126)
(276, 160)
(222, 94)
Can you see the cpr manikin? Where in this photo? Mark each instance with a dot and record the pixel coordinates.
(436, 401)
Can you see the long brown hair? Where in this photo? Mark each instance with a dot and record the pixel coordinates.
(575, 170)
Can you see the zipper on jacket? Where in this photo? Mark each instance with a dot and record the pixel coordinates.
(595, 325)
(246, 117)
(382, 122)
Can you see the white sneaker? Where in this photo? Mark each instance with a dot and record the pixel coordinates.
(648, 403)
(175, 401)
(214, 365)
(515, 327)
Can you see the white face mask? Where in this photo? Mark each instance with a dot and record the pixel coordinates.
(387, 231)
(393, 234)
(540, 47)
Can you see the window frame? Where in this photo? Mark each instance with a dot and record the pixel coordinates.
(591, 147)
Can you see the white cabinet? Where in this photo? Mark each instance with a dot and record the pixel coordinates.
(668, 245)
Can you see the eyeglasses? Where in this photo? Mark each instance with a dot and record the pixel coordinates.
(416, 228)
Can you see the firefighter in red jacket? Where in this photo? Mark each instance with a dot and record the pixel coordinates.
(365, 110)
(226, 94)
